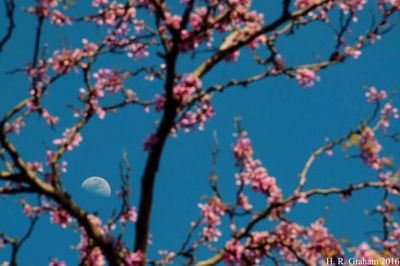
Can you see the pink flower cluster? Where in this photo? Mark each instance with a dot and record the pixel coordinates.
(387, 112)
(14, 127)
(89, 254)
(59, 19)
(97, 3)
(211, 213)
(183, 93)
(252, 172)
(134, 259)
(186, 88)
(366, 252)
(137, 50)
(243, 202)
(289, 239)
(46, 9)
(306, 77)
(35, 167)
(55, 262)
(354, 52)
(129, 216)
(106, 81)
(199, 116)
(370, 148)
(62, 61)
(38, 73)
(62, 166)
(352, 5)
(30, 211)
(61, 217)
(71, 139)
(111, 13)
(50, 119)
(238, 255)
(389, 182)
(374, 95)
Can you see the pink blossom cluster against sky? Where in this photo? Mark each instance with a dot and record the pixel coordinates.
(238, 115)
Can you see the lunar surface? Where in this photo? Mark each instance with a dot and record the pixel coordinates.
(97, 185)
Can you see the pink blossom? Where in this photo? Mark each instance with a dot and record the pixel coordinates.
(134, 259)
(55, 262)
(373, 95)
(110, 14)
(355, 53)
(364, 251)
(306, 77)
(196, 19)
(97, 3)
(252, 172)
(137, 51)
(387, 112)
(370, 148)
(70, 139)
(62, 61)
(211, 213)
(233, 253)
(242, 148)
(94, 257)
(61, 217)
(352, 5)
(50, 120)
(35, 166)
(59, 19)
(187, 87)
(28, 210)
(173, 21)
(14, 127)
(130, 216)
(243, 202)
(89, 49)
(108, 80)
(199, 116)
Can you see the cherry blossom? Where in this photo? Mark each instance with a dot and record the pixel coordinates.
(211, 213)
(55, 262)
(370, 149)
(306, 77)
(387, 112)
(70, 139)
(373, 95)
(60, 217)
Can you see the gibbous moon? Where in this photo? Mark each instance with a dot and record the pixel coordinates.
(97, 185)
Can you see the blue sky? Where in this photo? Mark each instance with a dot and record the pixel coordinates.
(285, 122)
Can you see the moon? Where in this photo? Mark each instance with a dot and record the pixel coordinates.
(97, 185)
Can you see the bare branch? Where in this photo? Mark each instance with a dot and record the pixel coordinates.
(10, 7)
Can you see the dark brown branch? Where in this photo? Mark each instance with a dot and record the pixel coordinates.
(10, 7)
(153, 160)
(17, 244)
